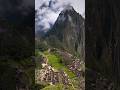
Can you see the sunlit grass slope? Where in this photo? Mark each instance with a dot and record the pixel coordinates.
(56, 61)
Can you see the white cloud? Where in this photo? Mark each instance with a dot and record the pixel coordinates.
(50, 11)
(79, 5)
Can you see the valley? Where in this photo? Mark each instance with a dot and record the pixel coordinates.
(60, 53)
(52, 71)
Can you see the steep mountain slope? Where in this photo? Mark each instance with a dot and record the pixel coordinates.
(103, 44)
(16, 46)
(68, 32)
(60, 54)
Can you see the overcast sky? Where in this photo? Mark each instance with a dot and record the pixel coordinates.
(49, 10)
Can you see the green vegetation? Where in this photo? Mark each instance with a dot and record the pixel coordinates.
(38, 53)
(56, 61)
(8, 74)
(58, 87)
(54, 87)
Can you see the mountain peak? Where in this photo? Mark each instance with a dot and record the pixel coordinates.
(68, 8)
(65, 13)
(68, 32)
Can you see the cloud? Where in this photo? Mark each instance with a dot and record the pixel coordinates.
(49, 10)
(79, 5)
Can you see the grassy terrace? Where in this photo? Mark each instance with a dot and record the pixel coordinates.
(54, 87)
(55, 61)
(58, 87)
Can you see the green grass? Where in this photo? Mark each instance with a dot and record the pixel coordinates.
(54, 87)
(8, 70)
(58, 87)
(38, 53)
(55, 61)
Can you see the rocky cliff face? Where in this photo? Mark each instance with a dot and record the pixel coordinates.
(103, 40)
(68, 32)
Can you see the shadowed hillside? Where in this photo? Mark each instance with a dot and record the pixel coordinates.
(102, 45)
(16, 45)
